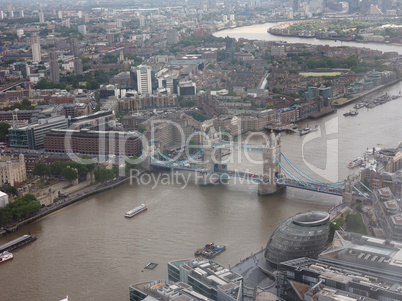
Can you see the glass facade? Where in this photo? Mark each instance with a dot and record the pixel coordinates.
(303, 235)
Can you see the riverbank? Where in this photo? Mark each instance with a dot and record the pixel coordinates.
(71, 199)
(361, 95)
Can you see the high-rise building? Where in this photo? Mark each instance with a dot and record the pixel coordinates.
(22, 15)
(86, 18)
(36, 51)
(11, 14)
(23, 68)
(211, 4)
(60, 14)
(41, 17)
(119, 23)
(74, 47)
(141, 77)
(82, 29)
(78, 69)
(110, 38)
(66, 23)
(79, 14)
(1, 15)
(172, 36)
(295, 5)
(142, 21)
(54, 68)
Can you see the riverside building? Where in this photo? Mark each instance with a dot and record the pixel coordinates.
(207, 278)
(302, 235)
(99, 143)
(356, 266)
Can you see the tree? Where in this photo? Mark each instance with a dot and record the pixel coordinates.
(56, 168)
(3, 130)
(41, 170)
(12, 190)
(103, 174)
(89, 162)
(69, 174)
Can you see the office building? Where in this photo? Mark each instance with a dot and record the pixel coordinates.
(31, 136)
(20, 115)
(99, 143)
(36, 50)
(12, 170)
(148, 101)
(54, 67)
(207, 278)
(186, 88)
(355, 266)
(388, 211)
(165, 291)
(141, 79)
(102, 120)
(302, 235)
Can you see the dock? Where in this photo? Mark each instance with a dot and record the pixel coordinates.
(16, 243)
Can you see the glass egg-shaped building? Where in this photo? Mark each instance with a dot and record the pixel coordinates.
(302, 235)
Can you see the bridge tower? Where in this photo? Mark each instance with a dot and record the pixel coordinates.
(212, 159)
(347, 194)
(271, 168)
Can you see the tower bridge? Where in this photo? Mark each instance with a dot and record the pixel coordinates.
(275, 176)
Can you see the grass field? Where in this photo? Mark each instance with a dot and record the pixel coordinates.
(317, 74)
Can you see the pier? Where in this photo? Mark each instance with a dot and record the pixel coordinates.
(16, 243)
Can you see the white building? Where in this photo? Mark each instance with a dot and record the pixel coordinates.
(82, 29)
(36, 51)
(41, 17)
(3, 199)
(20, 32)
(144, 80)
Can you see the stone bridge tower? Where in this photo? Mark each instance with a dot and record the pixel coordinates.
(212, 159)
(271, 168)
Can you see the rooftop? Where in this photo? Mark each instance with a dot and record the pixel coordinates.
(311, 218)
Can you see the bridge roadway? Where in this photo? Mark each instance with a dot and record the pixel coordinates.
(239, 146)
(201, 169)
(318, 187)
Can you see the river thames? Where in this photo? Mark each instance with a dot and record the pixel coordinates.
(259, 32)
(91, 252)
